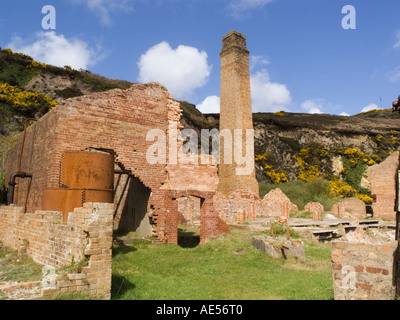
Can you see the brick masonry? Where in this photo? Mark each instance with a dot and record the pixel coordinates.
(363, 271)
(245, 205)
(86, 237)
(235, 112)
(350, 208)
(239, 207)
(316, 208)
(383, 186)
(275, 203)
(116, 120)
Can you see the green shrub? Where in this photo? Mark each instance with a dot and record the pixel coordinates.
(69, 93)
(353, 174)
(301, 192)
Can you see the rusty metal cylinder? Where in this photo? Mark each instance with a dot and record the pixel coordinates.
(88, 170)
(85, 177)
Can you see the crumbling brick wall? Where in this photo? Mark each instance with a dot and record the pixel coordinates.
(86, 237)
(350, 208)
(316, 208)
(273, 204)
(383, 186)
(239, 207)
(364, 271)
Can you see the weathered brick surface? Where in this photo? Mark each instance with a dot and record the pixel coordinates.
(87, 235)
(116, 120)
(339, 210)
(235, 112)
(275, 204)
(363, 271)
(316, 208)
(350, 208)
(383, 186)
(239, 207)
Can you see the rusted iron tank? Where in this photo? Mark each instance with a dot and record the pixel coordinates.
(84, 177)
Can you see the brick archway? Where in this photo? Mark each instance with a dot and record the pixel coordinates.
(211, 226)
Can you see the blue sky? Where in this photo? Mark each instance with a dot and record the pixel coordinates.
(301, 57)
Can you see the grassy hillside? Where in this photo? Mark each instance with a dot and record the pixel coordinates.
(28, 89)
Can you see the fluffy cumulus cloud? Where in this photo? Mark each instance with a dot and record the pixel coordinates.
(312, 106)
(370, 107)
(268, 96)
(54, 49)
(210, 104)
(104, 8)
(180, 70)
(239, 9)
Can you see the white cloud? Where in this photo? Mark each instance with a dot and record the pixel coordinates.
(268, 96)
(370, 107)
(57, 50)
(257, 61)
(240, 8)
(103, 8)
(345, 114)
(211, 104)
(181, 70)
(312, 106)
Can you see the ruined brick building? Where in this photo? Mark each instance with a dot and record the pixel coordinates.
(115, 123)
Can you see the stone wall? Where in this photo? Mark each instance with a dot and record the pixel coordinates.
(87, 237)
(364, 271)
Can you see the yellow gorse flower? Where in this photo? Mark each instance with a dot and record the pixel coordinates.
(24, 100)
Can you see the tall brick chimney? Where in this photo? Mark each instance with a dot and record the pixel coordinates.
(235, 111)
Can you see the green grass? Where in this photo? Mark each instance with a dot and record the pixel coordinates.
(215, 271)
(18, 268)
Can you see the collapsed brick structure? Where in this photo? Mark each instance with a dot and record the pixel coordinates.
(383, 186)
(349, 207)
(243, 206)
(274, 202)
(118, 121)
(316, 208)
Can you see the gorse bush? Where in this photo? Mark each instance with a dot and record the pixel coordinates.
(22, 100)
(276, 176)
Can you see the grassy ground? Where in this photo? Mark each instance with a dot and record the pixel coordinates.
(18, 268)
(228, 268)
